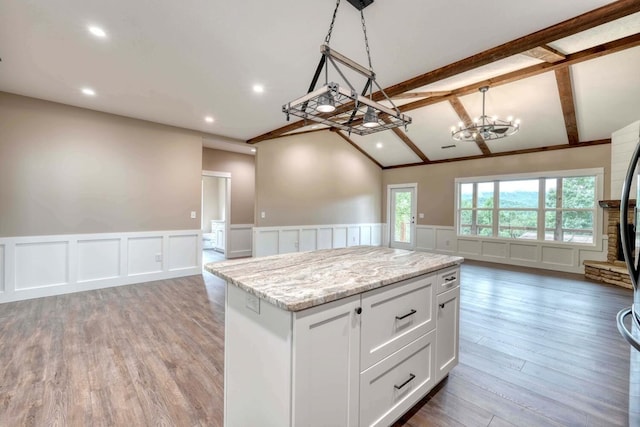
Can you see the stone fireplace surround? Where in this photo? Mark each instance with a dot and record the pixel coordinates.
(612, 270)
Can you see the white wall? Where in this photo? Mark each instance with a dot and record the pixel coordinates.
(38, 266)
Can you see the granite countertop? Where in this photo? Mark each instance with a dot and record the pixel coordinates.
(301, 280)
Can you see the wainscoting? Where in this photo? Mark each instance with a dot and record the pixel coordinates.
(240, 240)
(281, 240)
(543, 255)
(38, 266)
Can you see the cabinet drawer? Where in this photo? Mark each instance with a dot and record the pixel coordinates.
(391, 387)
(395, 315)
(448, 279)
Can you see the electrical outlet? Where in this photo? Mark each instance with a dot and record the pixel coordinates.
(421, 215)
(193, 214)
(158, 257)
(263, 214)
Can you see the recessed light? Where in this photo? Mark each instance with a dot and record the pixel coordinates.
(208, 119)
(88, 91)
(379, 145)
(253, 150)
(258, 88)
(97, 31)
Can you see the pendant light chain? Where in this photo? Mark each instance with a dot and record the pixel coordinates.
(333, 20)
(366, 39)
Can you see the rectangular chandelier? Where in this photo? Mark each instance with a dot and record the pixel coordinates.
(350, 111)
(341, 106)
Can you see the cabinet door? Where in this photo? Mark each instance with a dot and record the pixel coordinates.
(326, 364)
(448, 326)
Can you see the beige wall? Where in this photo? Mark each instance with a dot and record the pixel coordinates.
(66, 170)
(243, 180)
(436, 182)
(315, 178)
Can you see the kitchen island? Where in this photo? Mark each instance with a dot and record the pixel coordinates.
(340, 337)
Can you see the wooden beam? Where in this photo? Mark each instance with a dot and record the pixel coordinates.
(429, 94)
(545, 53)
(506, 153)
(354, 145)
(411, 145)
(602, 15)
(534, 70)
(565, 90)
(566, 28)
(464, 116)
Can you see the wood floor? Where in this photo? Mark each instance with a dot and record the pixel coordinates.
(536, 349)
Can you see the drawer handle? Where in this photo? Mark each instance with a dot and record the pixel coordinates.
(406, 315)
(411, 377)
(442, 305)
(450, 279)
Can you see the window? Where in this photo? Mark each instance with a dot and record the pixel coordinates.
(559, 206)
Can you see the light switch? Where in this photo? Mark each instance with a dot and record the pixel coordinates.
(193, 214)
(263, 214)
(421, 215)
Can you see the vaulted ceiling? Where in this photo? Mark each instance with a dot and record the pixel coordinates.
(568, 70)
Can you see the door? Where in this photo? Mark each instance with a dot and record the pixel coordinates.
(401, 202)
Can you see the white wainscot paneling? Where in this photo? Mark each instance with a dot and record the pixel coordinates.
(288, 241)
(353, 236)
(183, 252)
(494, 249)
(558, 255)
(145, 255)
(240, 240)
(522, 252)
(308, 240)
(41, 264)
(340, 237)
(266, 242)
(426, 238)
(469, 247)
(2, 268)
(98, 259)
(325, 238)
(376, 235)
(365, 234)
(445, 239)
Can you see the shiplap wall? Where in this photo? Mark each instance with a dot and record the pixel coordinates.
(623, 143)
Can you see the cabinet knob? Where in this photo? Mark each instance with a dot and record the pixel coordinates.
(359, 310)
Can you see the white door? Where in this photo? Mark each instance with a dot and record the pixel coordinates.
(402, 216)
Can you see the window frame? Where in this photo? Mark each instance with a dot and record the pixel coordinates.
(542, 209)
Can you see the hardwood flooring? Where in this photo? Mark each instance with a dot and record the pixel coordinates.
(536, 349)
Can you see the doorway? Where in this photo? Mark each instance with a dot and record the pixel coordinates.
(215, 215)
(401, 215)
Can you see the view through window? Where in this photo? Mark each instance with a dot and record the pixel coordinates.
(550, 208)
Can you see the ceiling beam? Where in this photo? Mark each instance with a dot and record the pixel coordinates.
(356, 146)
(534, 70)
(403, 136)
(602, 15)
(565, 90)
(506, 153)
(464, 116)
(429, 94)
(545, 53)
(566, 28)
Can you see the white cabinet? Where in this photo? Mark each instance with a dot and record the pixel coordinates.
(218, 237)
(326, 356)
(359, 361)
(448, 332)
